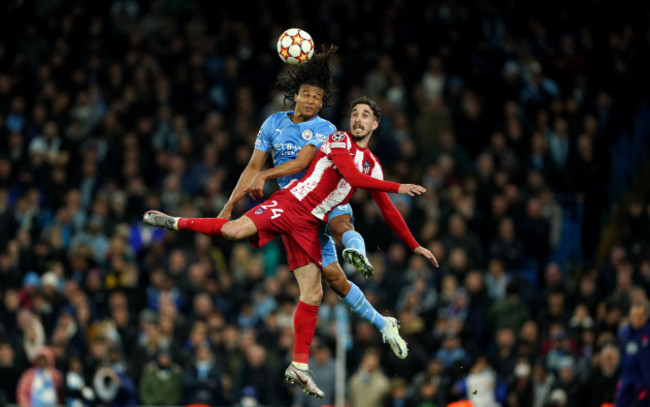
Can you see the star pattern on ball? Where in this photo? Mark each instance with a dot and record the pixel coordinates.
(297, 39)
(295, 46)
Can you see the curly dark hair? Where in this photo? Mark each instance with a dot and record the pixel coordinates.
(365, 100)
(316, 72)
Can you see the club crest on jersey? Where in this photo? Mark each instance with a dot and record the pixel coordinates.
(338, 136)
(260, 211)
(307, 134)
(366, 167)
(645, 339)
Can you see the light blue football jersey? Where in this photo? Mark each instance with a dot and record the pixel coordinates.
(286, 138)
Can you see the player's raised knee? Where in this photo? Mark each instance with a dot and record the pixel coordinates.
(238, 229)
(231, 231)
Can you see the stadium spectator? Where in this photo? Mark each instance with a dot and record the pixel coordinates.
(543, 381)
(40, 385)
(600, 386)
(75, 391)
(567, 381)
(482, 385)
(9, 372)
(203, 379)
(324, 372)
(114, 388)
(503, 357)
(369, 386)
(161, 381)
(520, 387)
(634, 339)
(508, 312)
(257, 373)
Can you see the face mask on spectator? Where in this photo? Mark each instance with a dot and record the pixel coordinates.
(522, 370)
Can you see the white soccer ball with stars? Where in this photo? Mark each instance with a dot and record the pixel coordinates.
(295, 46)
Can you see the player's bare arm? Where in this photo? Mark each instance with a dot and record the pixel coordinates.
(253, 167)
(302, 160)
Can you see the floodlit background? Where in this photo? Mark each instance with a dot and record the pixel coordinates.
(528, 123)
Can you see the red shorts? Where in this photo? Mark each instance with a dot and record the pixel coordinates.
(283, 215)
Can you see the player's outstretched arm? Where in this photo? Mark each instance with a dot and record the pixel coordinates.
(254, 164)
(302, 160)
(397, 224)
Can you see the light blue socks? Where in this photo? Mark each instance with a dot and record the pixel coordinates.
(356, 301)
(353, 240)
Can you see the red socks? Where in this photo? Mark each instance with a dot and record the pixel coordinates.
(207, 226)
(304, 326)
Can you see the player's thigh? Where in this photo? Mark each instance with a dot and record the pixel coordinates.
(328, 249)
(302, 242)
(340, 220)
(271, 219)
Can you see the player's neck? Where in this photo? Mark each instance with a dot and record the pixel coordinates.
(296, 117)
(362, 142)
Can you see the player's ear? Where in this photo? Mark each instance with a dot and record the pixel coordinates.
(375, 124)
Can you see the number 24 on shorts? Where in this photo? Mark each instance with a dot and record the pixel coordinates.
(277, 212)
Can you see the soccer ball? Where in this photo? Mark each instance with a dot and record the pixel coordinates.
(295, 46)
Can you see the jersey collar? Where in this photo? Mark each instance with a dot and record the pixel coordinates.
(290, 112)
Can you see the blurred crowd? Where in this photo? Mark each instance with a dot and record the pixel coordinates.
(507, 113)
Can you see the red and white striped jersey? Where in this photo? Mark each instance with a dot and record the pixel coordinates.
(323, 187)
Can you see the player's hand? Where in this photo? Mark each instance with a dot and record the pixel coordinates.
(427, 255)
(411, 189)
(256, 188)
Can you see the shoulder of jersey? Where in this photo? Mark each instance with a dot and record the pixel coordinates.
(323, 129)
(277, 115)
(326, 122)
(339, 135)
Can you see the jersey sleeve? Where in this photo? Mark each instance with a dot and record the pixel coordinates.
(263, 141)
(394, 219)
